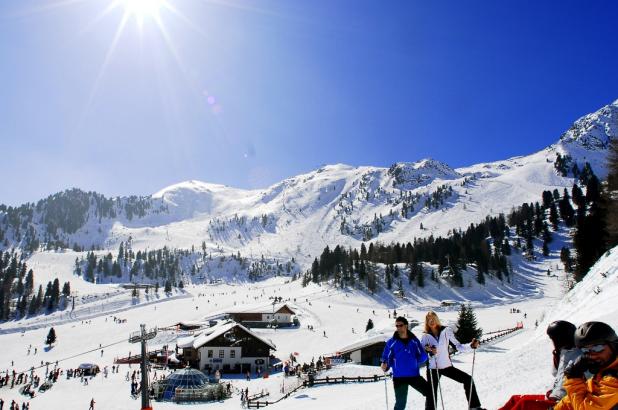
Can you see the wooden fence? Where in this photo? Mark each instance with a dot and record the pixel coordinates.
(253, 403)
(500, 333)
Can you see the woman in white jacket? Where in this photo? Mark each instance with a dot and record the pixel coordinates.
(436, 340)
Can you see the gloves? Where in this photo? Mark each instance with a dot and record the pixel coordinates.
(431, 350)
(576, 369)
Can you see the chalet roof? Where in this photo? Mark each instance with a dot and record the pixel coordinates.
(364, 342)
(211, 333)
(191, 324)
(265, 309)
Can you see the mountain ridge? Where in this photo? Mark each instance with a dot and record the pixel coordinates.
(298, 216)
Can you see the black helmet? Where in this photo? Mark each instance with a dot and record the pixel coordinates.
(561, 333)
(595, 332)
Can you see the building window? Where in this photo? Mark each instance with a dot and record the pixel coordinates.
(210, 353)
(221, 354)
(232, 354)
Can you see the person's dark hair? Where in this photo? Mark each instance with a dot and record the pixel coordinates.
(402, 320)
(562, 334)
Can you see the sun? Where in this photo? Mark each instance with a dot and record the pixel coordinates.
(142, 8)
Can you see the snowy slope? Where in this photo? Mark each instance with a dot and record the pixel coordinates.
(518, 364)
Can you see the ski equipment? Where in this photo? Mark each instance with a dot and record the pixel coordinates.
(590, 333)
(471, 379)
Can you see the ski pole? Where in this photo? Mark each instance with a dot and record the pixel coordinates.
(471, 379)
(386, 390)
(439, 387)
(433, 392)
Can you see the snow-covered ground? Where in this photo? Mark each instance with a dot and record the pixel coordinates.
(517, 364)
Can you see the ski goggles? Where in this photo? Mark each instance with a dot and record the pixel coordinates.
(593, 349)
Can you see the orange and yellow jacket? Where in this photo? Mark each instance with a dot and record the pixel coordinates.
(600, 392)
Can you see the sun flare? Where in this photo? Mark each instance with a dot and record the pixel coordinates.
(142, 8)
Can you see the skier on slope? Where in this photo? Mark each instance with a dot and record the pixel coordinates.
(436, 340)
(404, 354)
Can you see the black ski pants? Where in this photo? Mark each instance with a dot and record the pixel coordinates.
(457, 375)
(401, 391)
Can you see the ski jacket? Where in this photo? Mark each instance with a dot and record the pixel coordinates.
(404, 357)
(566, 356)
(600, 392)
(442, 358)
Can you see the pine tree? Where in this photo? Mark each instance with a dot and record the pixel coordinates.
(611, 194)
(39, 298)
(389, 279)
(315, 271)
(467, 326)
(590, 239)
(565, 257)
(66, 289)
(55, 295)
(22, 305)
(480, 277)
(3, 312)
(369, 325)
(51, 337)
(420, 276)
(29, 285)
(371, 277)
(32, 308)
(553, 216)
(545, 249)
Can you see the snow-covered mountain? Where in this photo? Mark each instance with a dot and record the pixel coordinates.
(299, 216)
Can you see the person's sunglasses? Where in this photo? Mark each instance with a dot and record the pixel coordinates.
(399, 325)
(593, 349)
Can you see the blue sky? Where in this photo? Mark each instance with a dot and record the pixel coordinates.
(248, 93)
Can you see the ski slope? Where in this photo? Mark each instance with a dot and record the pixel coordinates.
(517, 364)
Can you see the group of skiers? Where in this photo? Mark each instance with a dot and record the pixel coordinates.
(585, 367)
(15, 405)
(404, 353)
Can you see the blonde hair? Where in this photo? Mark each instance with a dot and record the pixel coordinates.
(431, 315)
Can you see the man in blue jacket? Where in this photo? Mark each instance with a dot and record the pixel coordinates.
(404, 354)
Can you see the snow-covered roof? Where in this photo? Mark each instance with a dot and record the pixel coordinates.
(259, 308)
(191, 323)
(364, 342)
(209, 334)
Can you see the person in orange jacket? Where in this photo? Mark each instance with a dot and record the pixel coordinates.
(599, 345)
